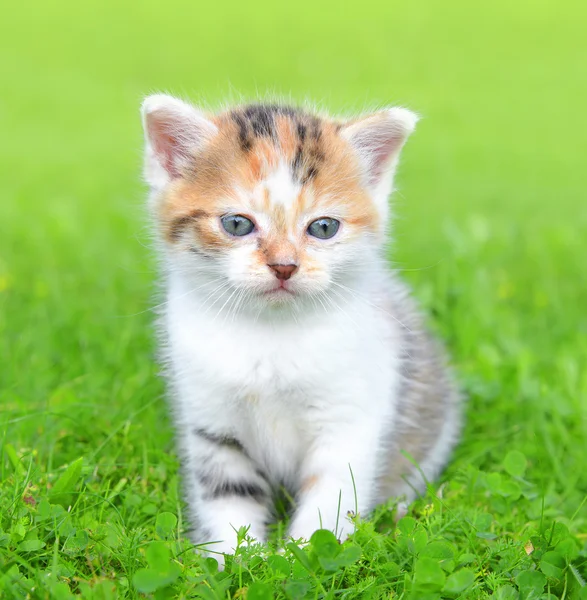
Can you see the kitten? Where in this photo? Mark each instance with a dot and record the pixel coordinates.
(294, 356)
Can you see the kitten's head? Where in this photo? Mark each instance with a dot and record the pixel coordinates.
(271, 201)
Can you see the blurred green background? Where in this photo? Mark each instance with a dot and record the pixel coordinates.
(491, 214)
(490, 230)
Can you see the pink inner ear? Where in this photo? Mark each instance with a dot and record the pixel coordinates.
(378, 139)
(380, 150)
(165, 144)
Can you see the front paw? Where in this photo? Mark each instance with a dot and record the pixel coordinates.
(217, 551)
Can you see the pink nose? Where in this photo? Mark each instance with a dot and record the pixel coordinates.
(283, 272)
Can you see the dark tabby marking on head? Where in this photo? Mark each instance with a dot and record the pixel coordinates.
(310, 154)
(257, 121)
(180, 223)
(310, 174)
(301, 132)
(243, 134)
(220, 440)
(261, 119)
(296, 164)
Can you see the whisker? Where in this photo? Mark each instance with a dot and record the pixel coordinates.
(225, 303)
(225, 288)
(338, 307)
(363, 299)
(166, 302)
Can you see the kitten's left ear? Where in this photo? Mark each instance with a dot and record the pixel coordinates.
(378, 140)
(174, 133)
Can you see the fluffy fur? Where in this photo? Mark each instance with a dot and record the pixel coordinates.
(292, 360)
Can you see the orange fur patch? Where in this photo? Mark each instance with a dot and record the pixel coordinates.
(309, 483)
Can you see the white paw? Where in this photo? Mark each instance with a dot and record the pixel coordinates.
(217, 551)
(401, 510)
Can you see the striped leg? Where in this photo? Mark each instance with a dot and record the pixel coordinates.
(225, 490)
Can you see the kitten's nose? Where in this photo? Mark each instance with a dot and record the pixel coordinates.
(283, 272)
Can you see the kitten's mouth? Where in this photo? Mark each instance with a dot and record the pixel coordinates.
(279, 290)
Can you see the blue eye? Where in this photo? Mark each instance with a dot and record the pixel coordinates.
(323, 228)
(237, 225)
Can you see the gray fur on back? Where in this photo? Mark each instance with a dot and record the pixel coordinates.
(428, 419)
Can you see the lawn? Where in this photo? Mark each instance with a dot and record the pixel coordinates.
(490, 230)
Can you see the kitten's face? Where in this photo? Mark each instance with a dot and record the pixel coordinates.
(270, 204)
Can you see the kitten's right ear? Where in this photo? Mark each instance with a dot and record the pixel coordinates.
(378, 139)
(174, 132)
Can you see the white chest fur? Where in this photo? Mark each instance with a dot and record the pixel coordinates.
(275, 384)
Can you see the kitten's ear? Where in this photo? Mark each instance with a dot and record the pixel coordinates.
(378, 139)
(174, 132)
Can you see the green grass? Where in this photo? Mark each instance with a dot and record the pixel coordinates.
(491, 231)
